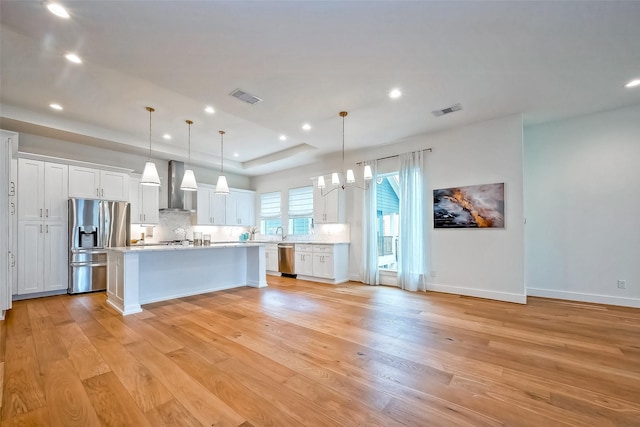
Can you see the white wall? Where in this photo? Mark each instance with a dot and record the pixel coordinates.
(485, 263)
(582, 187)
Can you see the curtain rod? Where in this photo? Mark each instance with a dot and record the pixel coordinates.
(395, 155)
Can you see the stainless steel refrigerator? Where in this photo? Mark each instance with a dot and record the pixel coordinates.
(93, 226)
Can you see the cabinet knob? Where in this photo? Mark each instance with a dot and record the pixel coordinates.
(46, 213)
(40, 228)
(13, 208)
(98, 192)
(40, 213)
(12, 188)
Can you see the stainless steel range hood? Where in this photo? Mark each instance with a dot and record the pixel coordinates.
(176, 197)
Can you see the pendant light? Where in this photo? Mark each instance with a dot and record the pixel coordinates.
(189, 179)
(150, 174)
(347, 175)
(222, 187)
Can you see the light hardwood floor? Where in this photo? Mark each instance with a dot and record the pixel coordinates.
(303, 353)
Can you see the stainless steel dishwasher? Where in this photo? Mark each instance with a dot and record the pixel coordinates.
(287, 259)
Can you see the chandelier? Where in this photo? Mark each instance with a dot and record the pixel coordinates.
(345, 178)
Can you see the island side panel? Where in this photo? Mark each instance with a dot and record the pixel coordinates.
(123, 268)
(256, 267)
(165, 275)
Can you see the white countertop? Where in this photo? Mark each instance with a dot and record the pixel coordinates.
(153, 248)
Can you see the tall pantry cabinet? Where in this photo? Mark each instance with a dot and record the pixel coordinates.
(42, 226)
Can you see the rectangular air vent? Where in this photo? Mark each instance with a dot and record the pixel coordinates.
(246, 97)
(453, 108)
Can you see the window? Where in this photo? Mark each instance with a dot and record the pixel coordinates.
(300, 210)
(388, 208)
(270, 216)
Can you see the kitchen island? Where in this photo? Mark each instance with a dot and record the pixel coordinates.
(146, 274)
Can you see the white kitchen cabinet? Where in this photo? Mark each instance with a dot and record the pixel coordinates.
(240, 207)
(327, 263)
(13, 226)
(323, 265)
(145, 202)
(42, 226)
(330, 208)
(211, 206)
(42, 256)
(271, 257)
(43, 190)
(304, 260)
(90, 183)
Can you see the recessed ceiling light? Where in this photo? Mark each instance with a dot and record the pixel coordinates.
(395, 93)
(72, 57)
(633, 83)
(235, 154)
(166, 136)
(306, 126)
(209, 109)
(56, 106)
(283, 137)
(58, 10)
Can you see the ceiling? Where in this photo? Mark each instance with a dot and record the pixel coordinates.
(307, 60)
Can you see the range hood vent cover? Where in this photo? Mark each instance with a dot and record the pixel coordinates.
(452, 109)
(175, 201)
(246, 97)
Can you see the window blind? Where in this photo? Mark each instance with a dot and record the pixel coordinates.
(270, 205)
(301, 202)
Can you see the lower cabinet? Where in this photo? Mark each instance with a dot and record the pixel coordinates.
(304, 260)
(323, 262)
(42, 256)
(271, 255)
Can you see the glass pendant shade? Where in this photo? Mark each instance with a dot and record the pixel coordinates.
(150, 175)
(189, 181)
(222, 187)
(368, 175)
(321, 182)
(350, 178)
(335, 178)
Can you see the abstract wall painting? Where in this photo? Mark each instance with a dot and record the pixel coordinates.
(474, 206)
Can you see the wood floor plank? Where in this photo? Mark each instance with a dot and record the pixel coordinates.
(112, 402)
(144, 387)
(306, 353)
(238, 397)
(83, 355)
(171, 414)
(23, 389)
(67, 400)
(203, 405)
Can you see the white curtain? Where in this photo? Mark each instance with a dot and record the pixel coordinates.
(369, 272)
(412, 229)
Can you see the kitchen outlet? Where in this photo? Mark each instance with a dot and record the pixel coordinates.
(622, 284)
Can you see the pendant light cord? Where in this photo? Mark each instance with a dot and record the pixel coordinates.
(221, 132)
(150, 110)
(189, 122)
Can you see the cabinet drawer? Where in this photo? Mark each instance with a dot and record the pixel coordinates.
(304, 248)
(322, 249)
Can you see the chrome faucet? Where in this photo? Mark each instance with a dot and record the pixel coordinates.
(284, 236)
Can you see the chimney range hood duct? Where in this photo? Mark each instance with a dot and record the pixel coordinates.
(176, 196)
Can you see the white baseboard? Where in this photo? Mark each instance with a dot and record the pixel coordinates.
(479, 293)
(582, 297)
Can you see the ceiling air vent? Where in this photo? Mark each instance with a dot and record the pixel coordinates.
(246, 97)
(453, 108)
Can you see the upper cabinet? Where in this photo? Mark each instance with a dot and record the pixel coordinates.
(211, 206)
(43, 190)
(240, 207)
(330, 208)
(144, 200)
(236, 208)
(92, 183)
